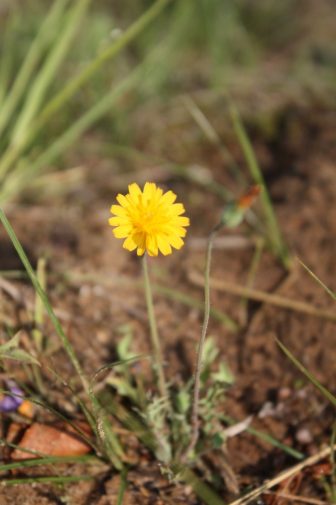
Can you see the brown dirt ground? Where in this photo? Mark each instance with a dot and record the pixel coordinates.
(102, 293)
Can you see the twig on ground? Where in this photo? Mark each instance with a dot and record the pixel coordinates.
(230, 242)
(324, 453)
(262, 296)
(301, 499)
(11, 290)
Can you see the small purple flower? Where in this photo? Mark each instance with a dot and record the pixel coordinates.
(11, 402)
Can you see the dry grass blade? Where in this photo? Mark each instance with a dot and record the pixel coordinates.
(324, 453)
(325, 392)
(318, 280)
(298, 499)
(262, 296)
(10, 290)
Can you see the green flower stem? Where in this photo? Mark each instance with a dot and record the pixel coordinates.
(199, 363)
(154, 331)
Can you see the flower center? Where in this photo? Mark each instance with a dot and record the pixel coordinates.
(148, 222)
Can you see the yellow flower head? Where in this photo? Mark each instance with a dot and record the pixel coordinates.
(149, 220)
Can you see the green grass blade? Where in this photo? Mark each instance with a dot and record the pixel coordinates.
(24, 135)
(115, 364)
(276, 443)
(7, 53)
(314, 276)
(13, 274)
(48, 308)
(213, 137)
(122, 488)
(274, 233)
(87, 458)
(110, 52)
(20, 177)
(329, 396)
(46, 480)
(48, 72)
(31, 60)
(39, 309)
(202, 490)
(267, 438)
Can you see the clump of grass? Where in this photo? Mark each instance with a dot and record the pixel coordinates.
(37, 123)
(26, 110)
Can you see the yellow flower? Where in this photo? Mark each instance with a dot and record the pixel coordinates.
(149, 220)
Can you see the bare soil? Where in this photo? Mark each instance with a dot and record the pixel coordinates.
(96, 288)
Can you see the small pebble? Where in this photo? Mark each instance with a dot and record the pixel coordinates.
(284, 394)
(303, 436)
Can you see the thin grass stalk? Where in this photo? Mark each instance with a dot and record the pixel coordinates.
(213, 137)
(262, 296)
(158, 357)
(332, 294)
(87, 458)
(46, 480)
(57, 325)
(333, 462)
(39, 309)
(325, 392)
(7, 53)
(105, 434)
(274, 233)
(199, 364)
(30, 62)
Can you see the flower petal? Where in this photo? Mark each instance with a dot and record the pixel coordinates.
(164, 245)
(179, 231)
(168, 198)
(181, 221)
(118, 210)
(134, 192)
(176, 242)
(151, 245)
(140, 251)
(177, 209)
(118, 221)
(121, 231)
(149, 190)
(122, 200)
(129, 244)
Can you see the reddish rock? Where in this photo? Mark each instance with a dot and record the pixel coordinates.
(51, 441)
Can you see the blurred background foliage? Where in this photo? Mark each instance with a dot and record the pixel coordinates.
(261, 53)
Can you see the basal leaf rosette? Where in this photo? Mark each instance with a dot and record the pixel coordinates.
(149, 220)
